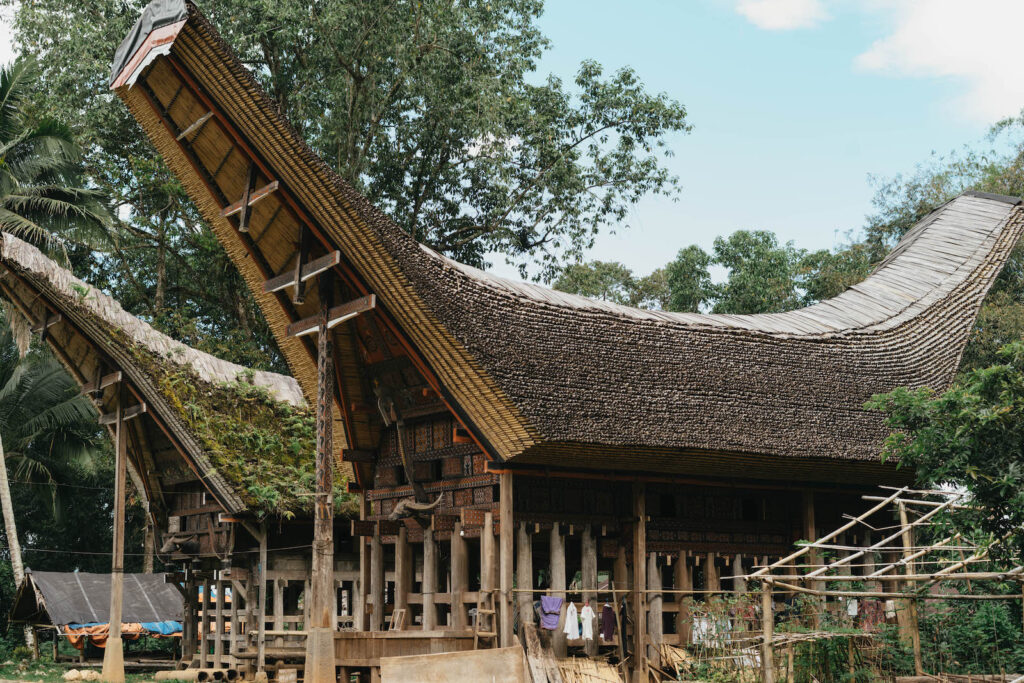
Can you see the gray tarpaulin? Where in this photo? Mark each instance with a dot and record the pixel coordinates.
(157, 13)
(80, 598)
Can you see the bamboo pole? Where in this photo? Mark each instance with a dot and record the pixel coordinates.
(767, 633)
(506, 557)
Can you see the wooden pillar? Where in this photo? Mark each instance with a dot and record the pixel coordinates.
(218, 625)
(639, 582)
(488, 567)
(429, 578)
(190, 627)
(113, 654)
(376, 581)
(911, 605)
(319, 665)
(810, 533)
(506, 542)
(279, 610)
(712, 577)
(403, 571)
(739, 584)
(558, 586)
(655, 624)
(459, 578)
(524, 574)
(768, 633)
(683, 581)
(362, 587)
(261, 626)
(588, 578)
(204, 624)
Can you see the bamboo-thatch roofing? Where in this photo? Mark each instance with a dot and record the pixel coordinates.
(184, 390)
(549, 378)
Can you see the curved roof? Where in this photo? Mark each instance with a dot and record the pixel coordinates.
(541, 376)
(94, 334)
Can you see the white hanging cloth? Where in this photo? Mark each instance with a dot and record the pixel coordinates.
(587, 615)
(572, 623)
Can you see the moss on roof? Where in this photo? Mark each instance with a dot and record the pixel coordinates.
(264, 448)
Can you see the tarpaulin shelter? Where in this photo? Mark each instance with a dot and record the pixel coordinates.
(77, 605)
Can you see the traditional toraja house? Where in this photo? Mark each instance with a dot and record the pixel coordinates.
(221, 456)
(504, 438)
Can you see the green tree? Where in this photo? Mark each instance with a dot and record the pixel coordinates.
(971, 436)
(763, 275)
(42, 198)
(689, 281)
(43, 419)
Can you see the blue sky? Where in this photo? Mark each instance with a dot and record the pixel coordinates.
(793, 102)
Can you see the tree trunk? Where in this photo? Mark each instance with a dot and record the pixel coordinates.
(12, 533)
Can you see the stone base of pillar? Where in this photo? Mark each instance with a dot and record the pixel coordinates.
(319, 656)
(113, 661)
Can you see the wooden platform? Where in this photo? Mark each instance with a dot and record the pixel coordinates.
(366, 648)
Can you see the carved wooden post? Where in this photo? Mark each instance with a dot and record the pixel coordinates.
(524, 574)
(506, 539)
(113, 655)
(558, 586)
(588, 577)
(429, 578)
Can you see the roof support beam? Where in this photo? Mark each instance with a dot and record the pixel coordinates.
(358, 455)
(96, 387)
(125, 415)
(300, 275)
(335, 316)
(195, 127)
(48, 321)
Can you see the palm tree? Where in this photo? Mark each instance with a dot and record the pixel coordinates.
(42, 198)
(43, 420)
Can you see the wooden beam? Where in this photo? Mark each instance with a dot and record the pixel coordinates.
(429, 578)
(505, 557)
(683, 582)
(588, 580)
(524, 572)
(654, 610)
(459, 578)
(376, 584)
(639, 582)
(127, 414)
(403, 571)
(113, 655)
(105, 381)
(308, 271)
(358, 455)
(199, 123)
(336, 316)
(305, 240)
(48, 321)
(558, 586)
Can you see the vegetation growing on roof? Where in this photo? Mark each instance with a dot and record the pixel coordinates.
(264, 448)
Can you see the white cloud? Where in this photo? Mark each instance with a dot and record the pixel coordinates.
(977, 43)
(782, 15)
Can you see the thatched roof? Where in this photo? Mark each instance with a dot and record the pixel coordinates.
(196, 404)
(544, 377)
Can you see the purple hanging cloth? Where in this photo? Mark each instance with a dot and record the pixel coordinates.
(552, 610)
(607, 623)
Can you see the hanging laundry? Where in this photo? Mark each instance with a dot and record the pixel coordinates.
(572, 622)
(551, 608)
(587, 616)
(607, 622)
